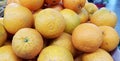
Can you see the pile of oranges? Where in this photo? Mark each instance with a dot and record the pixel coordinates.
(57, 30)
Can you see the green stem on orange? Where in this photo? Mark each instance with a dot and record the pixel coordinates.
(26, 40)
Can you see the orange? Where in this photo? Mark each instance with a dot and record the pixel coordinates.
(52, 2)
(17, 17)
(50, 23)
(104, 17)
(72, 20)
(98, 55)
(3, 35)
(87, 37)
(32, 4)
(91, 8)
(7, 54)
(65, 40)
(75, 5)
(110, 38)
(55, 53)
(83, 15)
(27, 43)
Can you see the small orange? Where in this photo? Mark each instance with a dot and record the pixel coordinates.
(32, 4)
(110, 38)
(98, 55)
(91, 8)
(104, 17)
(50, 23)
(17, 17)
(65, 40)
(27, 43)
(72, 20)
(87, 37)
(55, 53)
(7, 54)
(75, 5)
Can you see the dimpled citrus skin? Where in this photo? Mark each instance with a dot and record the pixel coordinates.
(27, 43)
(87, 37)
(110, 38)
(17, 17)
(55, 53)
(50, 23)
(7, 54)
(98, 55)
(104, 17)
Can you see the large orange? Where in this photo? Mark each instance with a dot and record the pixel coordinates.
(110, 38)
(17, 17)
(7, 54)
(87, 37)
(50, 23)
(83, 15)
(32, 4)
(64, 40)
(55, 53)
(91, 8)
(3, 34)
(98, 55)
(27, 43)
(72, 20)
(75, 5)
(104, 17)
